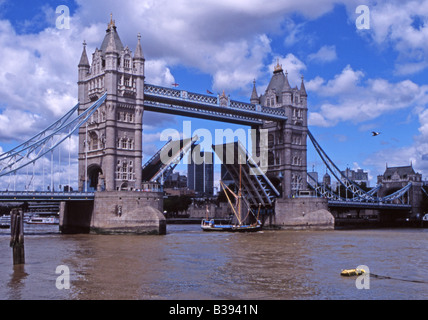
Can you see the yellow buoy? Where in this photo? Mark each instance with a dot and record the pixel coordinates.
(352, 272)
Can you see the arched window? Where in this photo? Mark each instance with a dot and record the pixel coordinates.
(271, 158)
(271, 139)
(93, 141)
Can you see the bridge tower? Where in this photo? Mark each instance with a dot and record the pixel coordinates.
(395, 178)
(110, 145)
(287, 162)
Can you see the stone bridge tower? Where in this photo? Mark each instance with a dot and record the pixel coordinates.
(287, 148)
(110, 145)
(396, 178)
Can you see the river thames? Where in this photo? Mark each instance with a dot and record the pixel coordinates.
(189, 264)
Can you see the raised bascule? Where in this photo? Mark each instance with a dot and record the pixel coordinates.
(118, 193)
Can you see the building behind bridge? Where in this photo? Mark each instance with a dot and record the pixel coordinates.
(396, 178)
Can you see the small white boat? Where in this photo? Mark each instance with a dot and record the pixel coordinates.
(43, 220)
(4, 222)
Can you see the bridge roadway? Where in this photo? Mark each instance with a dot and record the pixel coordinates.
(18, 196)
(45, 196)
(180, 102)
(368, 205)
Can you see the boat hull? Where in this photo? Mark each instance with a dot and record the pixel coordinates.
(210, 226)
(38, 220)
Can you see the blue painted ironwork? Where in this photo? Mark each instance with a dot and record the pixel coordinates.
(358, 194)
(256, 186)
(47, 140)
(162, 164)
(182, 102)
(16, 196)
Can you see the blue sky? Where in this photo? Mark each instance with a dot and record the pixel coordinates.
(358, 80)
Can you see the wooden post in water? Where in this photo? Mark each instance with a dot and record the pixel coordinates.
(17, 236)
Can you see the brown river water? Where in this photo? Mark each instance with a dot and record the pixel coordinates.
(189, 264)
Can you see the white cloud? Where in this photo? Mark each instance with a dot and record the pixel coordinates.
(324, 54)
(402, 25)
(351, 99)
(157, 72)
(290, 64)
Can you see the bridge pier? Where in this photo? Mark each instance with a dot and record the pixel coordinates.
(115, 212)
(302, 213)
(75, 216)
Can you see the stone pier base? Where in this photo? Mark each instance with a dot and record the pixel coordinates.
(115, 212)
(302, 213)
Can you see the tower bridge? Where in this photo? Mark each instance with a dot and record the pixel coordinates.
(113, 95)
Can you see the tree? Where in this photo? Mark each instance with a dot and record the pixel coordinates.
(175, 204)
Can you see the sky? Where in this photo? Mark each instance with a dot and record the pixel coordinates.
(361, 75)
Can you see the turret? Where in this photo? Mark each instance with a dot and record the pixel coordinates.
(303, 94)
(286, 91)
(83, 68)
(254, 97)
(139, 69)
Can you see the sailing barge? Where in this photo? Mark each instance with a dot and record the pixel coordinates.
(210, 224)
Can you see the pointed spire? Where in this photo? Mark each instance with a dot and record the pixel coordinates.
(84, 62)
(139, 51)
(254, 97)
(111, 46)
(303, 89)
(286, 87)
(112, 23)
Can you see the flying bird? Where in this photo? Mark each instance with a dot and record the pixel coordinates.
(209, 92)
(374, 133)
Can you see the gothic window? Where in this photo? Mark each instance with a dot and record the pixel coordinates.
(124, 144)
(294, 113)
(271, 158)
(127, 81)
(93, 141)
(124, 171)
(127, 63)
(118, 168)
(130, 171)
(271, 140)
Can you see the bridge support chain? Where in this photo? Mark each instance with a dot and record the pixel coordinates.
(303, 213)
(17, 236)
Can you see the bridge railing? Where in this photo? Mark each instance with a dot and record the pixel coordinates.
(183, 95)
